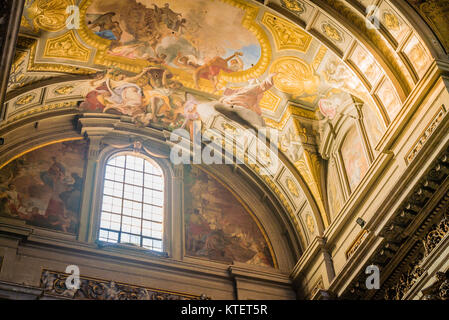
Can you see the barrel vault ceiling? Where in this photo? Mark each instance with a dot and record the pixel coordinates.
(322, 56)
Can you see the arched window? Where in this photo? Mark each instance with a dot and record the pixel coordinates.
(132, 202)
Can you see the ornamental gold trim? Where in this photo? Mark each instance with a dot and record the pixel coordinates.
(290, 111)
(356, 244)
(64, 90)
(294, 76)
(48, 15)
(26, 99)
(391, 21)
(49, 107)
(310, 224)
(309, 168)
(332, 32)
(319, 57)
(66, 46)
(270, 101)
(293, 6)
(52, 67)
(286, 34)
(291, 186)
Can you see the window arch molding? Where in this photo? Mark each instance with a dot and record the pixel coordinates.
(97, 187)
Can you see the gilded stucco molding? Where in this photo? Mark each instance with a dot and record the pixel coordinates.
(270, 101)
(356, 244)
(48, 15)
(384, 52)
(53, 67)
(44, 108)
(286, 35)
(290, 111)
(54, 283)
(309, 167)
(67, 47)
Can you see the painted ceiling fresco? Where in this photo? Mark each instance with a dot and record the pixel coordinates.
(181, 34)
(162, 49)
(166, 63)
(208, 47)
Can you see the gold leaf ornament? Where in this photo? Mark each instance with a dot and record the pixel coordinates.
(292, 187)
(391, 21)
(66, 46)
(25, 100)
(294, 76)
(293, 6)
(310, 224)
(49, 15)
(64, 90)
(332, 32)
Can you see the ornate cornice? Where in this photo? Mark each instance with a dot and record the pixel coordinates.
(399, 254)
(54, 283)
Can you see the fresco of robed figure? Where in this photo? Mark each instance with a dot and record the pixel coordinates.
(217, 225)
(44, 186)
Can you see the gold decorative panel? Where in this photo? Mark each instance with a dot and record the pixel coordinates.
(417, 55)
(292, 187)
(294, 76)
(66, 46)
(270, 101)
(332, 32)
(48, 15)
(310, 224)
(294, 6)
(26, 99)
(63, 90)
(319, 57)
(286, 34)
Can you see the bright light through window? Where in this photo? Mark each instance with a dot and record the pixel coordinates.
(133, 199)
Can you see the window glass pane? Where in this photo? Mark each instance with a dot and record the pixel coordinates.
(120, 161)
(114, 173)
(125, 238)
(157, 245)
(132, 206)
(134, 177)
(150, 168)
(148, 243)
(116, 205)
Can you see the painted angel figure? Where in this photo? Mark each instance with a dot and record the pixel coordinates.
(211, 69)
(245, 102)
